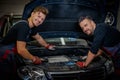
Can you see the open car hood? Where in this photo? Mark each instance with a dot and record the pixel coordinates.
(63, 15)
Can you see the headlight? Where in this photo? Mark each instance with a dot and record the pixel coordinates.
(109, 66)
(31, 73)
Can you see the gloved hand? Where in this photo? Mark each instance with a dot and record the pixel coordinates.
(50, 47)
(37, 60)
(80, 64)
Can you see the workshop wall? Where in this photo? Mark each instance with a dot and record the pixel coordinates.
(12, 7)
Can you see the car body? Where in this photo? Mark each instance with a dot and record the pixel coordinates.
(61, 29)
(71, 44)
(62, 63)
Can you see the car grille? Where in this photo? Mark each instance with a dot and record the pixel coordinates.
(96, 74)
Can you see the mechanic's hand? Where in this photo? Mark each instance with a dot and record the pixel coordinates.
(50, 47)
(80, 64)
(37, 60)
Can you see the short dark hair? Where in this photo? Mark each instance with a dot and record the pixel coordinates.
(84, 17)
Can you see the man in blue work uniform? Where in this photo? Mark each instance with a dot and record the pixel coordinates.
(105, 38)
(20, 34)
(15, 41)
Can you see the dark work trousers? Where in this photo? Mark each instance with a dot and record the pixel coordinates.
(114, 52)
(7, 62)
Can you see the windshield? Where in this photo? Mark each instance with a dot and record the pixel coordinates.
(63, 41)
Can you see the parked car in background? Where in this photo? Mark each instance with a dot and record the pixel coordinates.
(61, 29)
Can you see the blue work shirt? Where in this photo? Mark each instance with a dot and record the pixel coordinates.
(104, 36)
